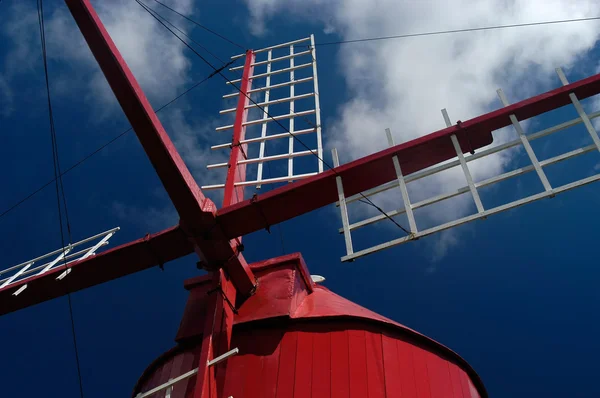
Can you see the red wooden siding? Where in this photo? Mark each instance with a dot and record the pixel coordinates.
(326, 359)
(300, 340)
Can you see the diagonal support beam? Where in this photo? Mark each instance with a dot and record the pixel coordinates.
(197, 212)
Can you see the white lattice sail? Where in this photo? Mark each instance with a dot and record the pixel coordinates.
(284, 117)
(471, 186)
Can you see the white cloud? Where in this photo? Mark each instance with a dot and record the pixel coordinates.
(157, 59)
(403, 84)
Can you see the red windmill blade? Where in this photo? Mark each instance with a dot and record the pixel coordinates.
(292, 336)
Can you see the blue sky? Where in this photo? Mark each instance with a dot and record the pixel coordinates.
(515, 295)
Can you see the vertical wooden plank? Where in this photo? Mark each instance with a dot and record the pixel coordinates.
(455, 379)
(357, 364)
(234, 386)
(391, 366)
(321, 369)
(340, 370)
(375, 372)
(236, 367)
(270, 359)
(439, 376)
(303, 373)
(406, 374)
(253, 365)
(159, 375)
(178, 390)
(287, 365)
(421, 372)
(464, 382)
(190, 358)
(472, 389)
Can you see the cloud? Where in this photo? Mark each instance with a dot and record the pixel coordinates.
(402, 84)
(156, 58)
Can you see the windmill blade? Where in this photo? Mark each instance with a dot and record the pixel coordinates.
(375, 170)
(93, 270)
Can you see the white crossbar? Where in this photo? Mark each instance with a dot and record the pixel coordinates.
(266, 138)
(463, 164)
(403, 190)
(586, 120)
(274, 86)
(269, 119)
(265, 181)
(285, 57)
(532, 157)
(168, 384)
(272, 102)
(274, 47)
(265, 159)
(273, 72)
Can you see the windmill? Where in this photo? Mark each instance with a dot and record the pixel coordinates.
(270, 329)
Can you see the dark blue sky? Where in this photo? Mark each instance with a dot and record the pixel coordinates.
(516, 296)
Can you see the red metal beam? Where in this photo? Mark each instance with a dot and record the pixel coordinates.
(123, 260)
(309, 194)
(237, 172)
(196, 211)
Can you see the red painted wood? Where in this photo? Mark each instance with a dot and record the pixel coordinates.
(464, 382)
(237, 172)
(422, 375)
(321, 369)
(406, 370)
(195, 210)
(330, 358)
(304, 363)
(120, 261)
(340, 359)
(375, 371)
(357, 363)
(175, 371)
(251, 377)
(439, 377)
(326, 347)
(473, 390)
(455, 378)
(287, 355)
(270, 364)
(368, 172)
(394, 376)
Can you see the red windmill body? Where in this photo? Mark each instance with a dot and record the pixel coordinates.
(269, 329)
